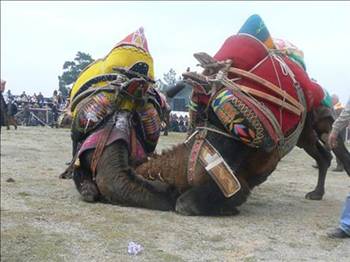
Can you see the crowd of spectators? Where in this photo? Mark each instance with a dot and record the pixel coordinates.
(36, 100)
(45, 109)
(178, 123)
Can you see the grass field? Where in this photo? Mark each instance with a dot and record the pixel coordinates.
(43, 218)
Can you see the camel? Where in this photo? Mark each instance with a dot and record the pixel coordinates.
(249, 108)
(118, 182)
(252, 167)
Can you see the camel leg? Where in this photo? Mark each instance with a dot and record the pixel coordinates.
(82, 178)
(209, 200)
(310, 143)
(323, 159)
(15, 123)
(86, 187)
(12, 121)
(196, 201)
(119, 185)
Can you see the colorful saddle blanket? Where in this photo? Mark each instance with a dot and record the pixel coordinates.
(95, 110)
(250, 54)
(242, 120)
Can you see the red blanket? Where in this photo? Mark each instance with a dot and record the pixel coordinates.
(116, 134)
(246, 52)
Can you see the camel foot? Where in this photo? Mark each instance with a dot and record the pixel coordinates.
(67, 174)
(314, 195)
(186, 210)
(89, 191)
(188, 204)
(227, 211)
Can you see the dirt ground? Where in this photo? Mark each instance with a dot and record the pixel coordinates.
(43, 218)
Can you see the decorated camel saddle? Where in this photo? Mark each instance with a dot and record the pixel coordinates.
(257, 87)
(114, 98)
(259, 91)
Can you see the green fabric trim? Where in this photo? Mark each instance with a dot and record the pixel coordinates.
(327, 99)
(298, 60)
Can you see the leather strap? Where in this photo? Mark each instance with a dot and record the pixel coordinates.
(271, 98)
(99, 149)
(196, 147)
(269, 85)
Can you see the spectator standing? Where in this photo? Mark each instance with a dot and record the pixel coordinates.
(338, 108)
(174, 124)
(24, 97)
(9, 95)
(40, 99)
(55, 96)
(26, 114)
(3, 106)
(343, 231)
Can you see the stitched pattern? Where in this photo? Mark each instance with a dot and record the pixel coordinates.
(238, 118)
(94, 110)
(151, 125)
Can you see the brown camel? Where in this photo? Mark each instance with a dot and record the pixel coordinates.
(251, 166)
(117, 182)
(250, 106)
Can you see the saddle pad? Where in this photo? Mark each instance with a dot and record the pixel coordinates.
(92, 110)
(150, 120)
(239, 120)
(250, 54)
(120, 131)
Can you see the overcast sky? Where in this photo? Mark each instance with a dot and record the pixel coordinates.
(38, 37)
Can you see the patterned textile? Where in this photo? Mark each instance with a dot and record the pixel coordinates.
(92, 110)
(136, 88)
(121, 131)
(131, 54)
(256, 27)
(163, 101)
(151, 126)
(135, 66)
(238, 118)
(137, 39)
(293, 52)
(197, 106)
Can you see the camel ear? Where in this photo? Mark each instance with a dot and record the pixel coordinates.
(204, 59)
(210, 65)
